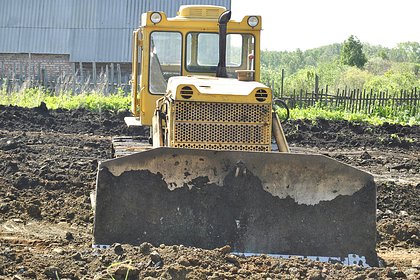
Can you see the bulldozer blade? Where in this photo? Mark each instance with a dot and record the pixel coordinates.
(271, 203)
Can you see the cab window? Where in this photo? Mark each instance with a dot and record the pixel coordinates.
(164, 59)
(203, 52)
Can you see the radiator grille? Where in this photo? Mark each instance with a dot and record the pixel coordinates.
(222, 126)
(250, 148)
(221, 112)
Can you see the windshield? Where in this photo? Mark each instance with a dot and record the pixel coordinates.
(202, 55)
(203, 52)
(165, 59)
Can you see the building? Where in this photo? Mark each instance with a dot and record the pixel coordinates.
(82, 37)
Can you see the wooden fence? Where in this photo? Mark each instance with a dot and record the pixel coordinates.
(78, 77)
(355, 100)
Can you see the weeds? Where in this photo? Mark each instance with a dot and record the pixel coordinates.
(97, 101)
(116, 266)
(94, 101)
(314, 113)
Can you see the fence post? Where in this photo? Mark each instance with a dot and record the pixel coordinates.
(20, 72)
(282, 82)
(44, 78)
(410, 102)
(33, 74)
(321, 97)
(300, 98)
(73, 69)
(118, 75)
(112, 77)
(336, 98)
(81, 72)
(345, 99)
(382, 102)
(94, 74)
(364, 101)
(14, 70)
(326, 96)
(106, 79)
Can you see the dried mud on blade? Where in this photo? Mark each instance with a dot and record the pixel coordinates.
(272, 203)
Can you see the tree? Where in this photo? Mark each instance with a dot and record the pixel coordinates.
(407, 52)
(352, 53)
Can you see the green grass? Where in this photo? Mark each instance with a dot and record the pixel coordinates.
(96, 101)
(376, 118)
(93, 101)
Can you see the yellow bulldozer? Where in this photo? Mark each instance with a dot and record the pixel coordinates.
(209, 177)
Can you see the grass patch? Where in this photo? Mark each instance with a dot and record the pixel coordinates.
(376, 118)
(96, 101)
(93, 101)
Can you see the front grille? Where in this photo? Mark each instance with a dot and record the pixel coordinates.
(222, 112)
(222, 126)
(250, 148)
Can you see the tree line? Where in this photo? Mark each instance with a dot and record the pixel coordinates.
(350, 64)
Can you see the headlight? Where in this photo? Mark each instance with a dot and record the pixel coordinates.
(155, 17)
(253, 21)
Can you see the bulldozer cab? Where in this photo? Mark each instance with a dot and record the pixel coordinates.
(188, 45)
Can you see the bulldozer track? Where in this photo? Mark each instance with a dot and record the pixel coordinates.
(127, 145)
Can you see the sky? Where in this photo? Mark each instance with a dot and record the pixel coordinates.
(306, 24)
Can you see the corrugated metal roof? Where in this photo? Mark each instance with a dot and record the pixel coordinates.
(87, 30)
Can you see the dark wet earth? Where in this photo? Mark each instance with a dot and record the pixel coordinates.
(48, 162)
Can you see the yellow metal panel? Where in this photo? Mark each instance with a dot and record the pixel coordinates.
(147, 104)
(134, 75)
(200, 11)
(204, 23)
(223, 97)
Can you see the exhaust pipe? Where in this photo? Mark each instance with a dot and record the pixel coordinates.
(221, 67)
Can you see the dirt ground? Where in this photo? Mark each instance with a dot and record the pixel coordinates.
(48, 162)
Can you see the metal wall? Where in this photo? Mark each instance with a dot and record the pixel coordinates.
(87, 30)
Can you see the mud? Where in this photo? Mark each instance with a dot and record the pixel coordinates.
(48, 162)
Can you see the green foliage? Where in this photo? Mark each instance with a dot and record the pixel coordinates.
(406, 52)
(95, 101)
(377, 118)
(385, 69)
(302, 79)
(329, 73)
(296, 60)
(354, 78)
(28, 98)
(352, 53)
(399, 76)
(378, 65)
(270, 77)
